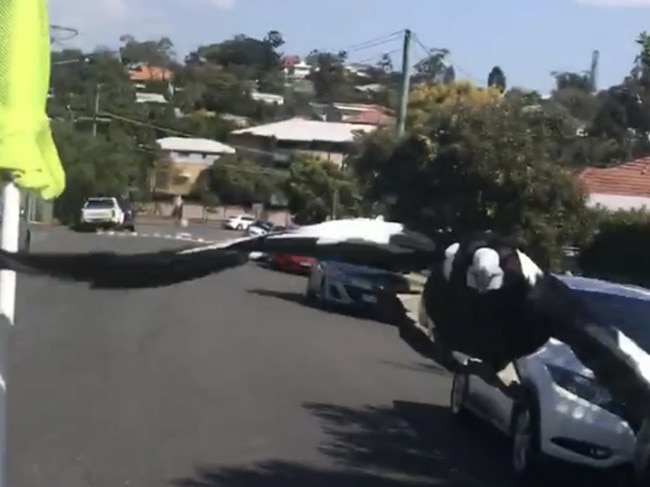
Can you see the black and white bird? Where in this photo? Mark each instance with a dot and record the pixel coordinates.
(486, 298)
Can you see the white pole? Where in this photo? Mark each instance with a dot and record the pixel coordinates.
(9, 241)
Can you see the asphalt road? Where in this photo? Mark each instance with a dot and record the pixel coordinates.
(227, 381)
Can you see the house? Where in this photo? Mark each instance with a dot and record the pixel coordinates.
(353, 113)
(268, 98)
(295, 69)
(280, 140)
(142, 73)
(359, 70)
(154, 98)
(183, 161)
(622, 187)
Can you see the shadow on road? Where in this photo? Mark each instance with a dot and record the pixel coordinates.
(291, 297)
(430, 368)
(299, 298)
(406, 445)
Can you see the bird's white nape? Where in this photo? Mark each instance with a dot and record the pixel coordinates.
(485, 273)
(450, 255)
(529, 269)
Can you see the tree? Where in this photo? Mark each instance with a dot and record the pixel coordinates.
(155, 53)
(433, 67)
(239, 181)
(428, 98)
(497, 79)
(328, 76)
(489, 166)
(316, 189)
(104, 165)
(449, 76)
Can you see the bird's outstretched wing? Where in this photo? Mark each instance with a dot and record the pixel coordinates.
(357, 241)
(606, 351)
(122, 271)
(360, 241)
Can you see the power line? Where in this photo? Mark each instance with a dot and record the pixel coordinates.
(178, 132)
(378, 56)
(429, 51)
(377, 41)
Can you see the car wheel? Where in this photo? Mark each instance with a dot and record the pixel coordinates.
(322, 295)
(526, 455)
(310, 295)
(458, 396)
(239, 227)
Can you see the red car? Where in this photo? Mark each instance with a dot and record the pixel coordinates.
(294, 264)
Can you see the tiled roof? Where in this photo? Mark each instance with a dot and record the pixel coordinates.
(627, 179)
(290, 60)
(370, 117)
(150, 73)
(301, 130)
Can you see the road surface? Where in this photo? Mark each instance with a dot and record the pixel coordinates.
(227, 381)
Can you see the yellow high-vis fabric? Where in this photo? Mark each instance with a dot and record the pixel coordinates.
(27, 150)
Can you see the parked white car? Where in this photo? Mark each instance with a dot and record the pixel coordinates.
(239, 222)
(102, 212)
(259, 227)
(566, 415)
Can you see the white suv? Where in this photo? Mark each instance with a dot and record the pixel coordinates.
(102, 212)
(239, 222)
(565, 414)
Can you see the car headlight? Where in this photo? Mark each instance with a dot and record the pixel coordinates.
(582, 386)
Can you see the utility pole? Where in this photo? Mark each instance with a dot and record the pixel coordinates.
(593, 71)
(98, 90)
(335, 203)
(406, 84)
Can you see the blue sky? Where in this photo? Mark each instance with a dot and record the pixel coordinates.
(527, 38)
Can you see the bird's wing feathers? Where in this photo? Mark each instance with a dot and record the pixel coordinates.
(123, 271)
(597, 346)
(359, 241)
(363, 242)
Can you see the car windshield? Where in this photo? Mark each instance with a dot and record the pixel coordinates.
(263, 224)
(629, 314)
(99, 203)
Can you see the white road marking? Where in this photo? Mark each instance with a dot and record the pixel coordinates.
(185, 236)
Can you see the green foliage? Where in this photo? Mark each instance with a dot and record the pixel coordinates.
(317, 189)
(239, 181)
(619, 248)
(481, 167)
(105, 165)
(497, 79)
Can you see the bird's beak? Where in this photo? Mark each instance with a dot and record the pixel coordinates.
(488, 281)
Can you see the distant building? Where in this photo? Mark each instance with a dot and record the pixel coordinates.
(295, 68)
(183, 161)
(330, 141)
(622, 187)
(143, 73)
(353, 113)
(268, 98)
(154, 98)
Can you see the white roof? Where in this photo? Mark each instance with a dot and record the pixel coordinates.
(141, 97)
(298, 129)
(614, 202)
(186, 144)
